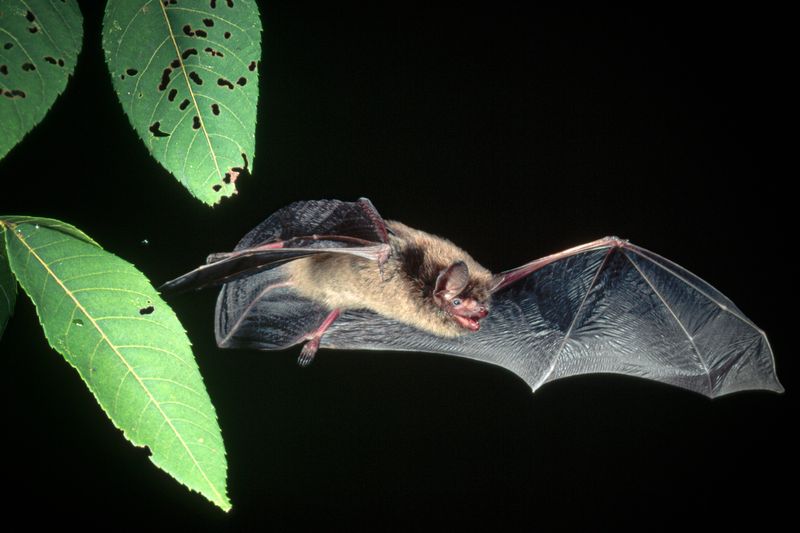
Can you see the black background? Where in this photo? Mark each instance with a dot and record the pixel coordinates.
(515, 133)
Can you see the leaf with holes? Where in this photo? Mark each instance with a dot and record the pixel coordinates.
(186, 73)
(39, 45)
(109, 323)
(8, 288)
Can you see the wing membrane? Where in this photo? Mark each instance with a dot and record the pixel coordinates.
(614, 308)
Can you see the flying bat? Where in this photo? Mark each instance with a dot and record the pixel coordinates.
(333, 274)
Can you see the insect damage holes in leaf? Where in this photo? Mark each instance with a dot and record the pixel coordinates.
(231, 176)
(165, 79)
(30, 17)
(129, 72)
(188, 31)
(155, 129)
(198, 73)
(53, 61)
(213, 3)
(147, 310)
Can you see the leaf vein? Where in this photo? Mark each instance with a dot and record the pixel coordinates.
(119, 388)
(123, 317)
(110, 289)
(186, 405)
(100, 273)
(156, 349)
(195, 424)
(104, 337)
(189, 87)
(177, 383)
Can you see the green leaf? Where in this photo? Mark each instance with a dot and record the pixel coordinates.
(8, 288)
(39, 45)
(109, 323)
(186, 74)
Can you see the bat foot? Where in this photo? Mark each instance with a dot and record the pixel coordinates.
(310, 348)
(308, 353)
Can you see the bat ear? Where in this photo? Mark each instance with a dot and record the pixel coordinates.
(451, 281)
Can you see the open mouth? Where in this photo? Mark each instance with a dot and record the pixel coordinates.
(471, 324)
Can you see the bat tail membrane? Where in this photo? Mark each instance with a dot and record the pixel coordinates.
(264, 312)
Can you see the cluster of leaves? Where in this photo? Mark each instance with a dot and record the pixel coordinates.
(186, 74)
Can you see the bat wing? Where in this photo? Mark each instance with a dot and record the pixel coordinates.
(608, 306)
(264, 312)
(298, 230)
(257, 307)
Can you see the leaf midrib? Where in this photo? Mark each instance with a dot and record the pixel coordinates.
(104, 337)
(189, 88)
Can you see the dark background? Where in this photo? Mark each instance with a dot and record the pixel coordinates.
(515, 133)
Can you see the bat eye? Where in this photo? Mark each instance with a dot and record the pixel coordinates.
(456, 302)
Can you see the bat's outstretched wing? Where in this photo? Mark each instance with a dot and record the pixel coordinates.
(298, 230)
(607, 306)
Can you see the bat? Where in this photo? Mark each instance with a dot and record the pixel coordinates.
(333, 274)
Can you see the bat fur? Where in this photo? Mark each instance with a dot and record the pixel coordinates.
(402, 288)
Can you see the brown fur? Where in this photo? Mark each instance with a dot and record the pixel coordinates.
(404, 290)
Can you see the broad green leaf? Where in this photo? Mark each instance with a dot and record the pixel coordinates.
(186, 74)
(8, 288)
(39, 45)
(109, 323)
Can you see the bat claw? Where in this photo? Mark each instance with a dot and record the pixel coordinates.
(308, 353)
(310, 348)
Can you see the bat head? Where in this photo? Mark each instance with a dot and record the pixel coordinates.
(460, 297)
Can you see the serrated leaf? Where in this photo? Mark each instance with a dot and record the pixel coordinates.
(8, 288)
(186, 74)
(110, 324)
(39, 45)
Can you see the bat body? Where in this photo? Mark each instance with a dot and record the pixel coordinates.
(334, 274)
(402, 288)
